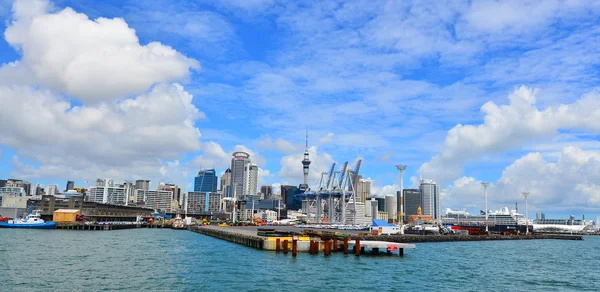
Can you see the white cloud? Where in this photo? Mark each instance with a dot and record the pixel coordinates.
(92, 60)
(572, 182)
(279, 144)
(291, 167)
(509, 126)
(213, 156)
(255, 157)
(327, 138)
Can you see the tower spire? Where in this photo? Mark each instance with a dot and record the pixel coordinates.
(306, 138)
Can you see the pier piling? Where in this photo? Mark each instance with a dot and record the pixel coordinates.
(357, 247)
(335, 245)
(278, 245)
(294, 247)
(285, 246)
(345, 245)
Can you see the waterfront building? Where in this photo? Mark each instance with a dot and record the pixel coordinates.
(269, 215)
(266, 192)
(284, 192)
(363, 189)
(70, 185)
(412, 201)
(239, 164)
(52, 190)
(430, 198)
(2, 183)
(115, 195)
(291, 202)
(203, 202)
(160, 200)
(206, 181)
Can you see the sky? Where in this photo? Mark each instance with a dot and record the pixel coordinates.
(459, 91)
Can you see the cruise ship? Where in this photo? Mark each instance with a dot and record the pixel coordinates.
(570, 225)
(499, 221)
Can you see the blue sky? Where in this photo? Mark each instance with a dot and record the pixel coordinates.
(460, 92)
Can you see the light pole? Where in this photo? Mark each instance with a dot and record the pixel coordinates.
(526, 194)
(400, 199)
(485, 185)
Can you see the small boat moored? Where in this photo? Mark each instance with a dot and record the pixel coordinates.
(31, 221)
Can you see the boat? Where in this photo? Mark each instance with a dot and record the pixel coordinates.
(499, 221)
(32, 220)
(570, 225)
(178, 223)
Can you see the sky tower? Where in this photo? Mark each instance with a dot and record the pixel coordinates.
(305, 164)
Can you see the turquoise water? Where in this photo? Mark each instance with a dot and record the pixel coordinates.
(171, 260)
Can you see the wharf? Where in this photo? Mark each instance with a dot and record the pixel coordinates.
(301, 242)
(82, 226)
(447, 238)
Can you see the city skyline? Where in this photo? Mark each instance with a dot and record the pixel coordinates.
(456, 98)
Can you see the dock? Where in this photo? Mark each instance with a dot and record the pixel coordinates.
(306, 243)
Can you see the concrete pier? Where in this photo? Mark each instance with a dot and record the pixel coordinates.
(104, 227)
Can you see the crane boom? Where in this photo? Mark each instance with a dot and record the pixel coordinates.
(329, 176)
(342, 174)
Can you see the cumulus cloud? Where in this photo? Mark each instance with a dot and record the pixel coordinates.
(509, 126)
(570, 182)
(129, 120)
(278, 144)
(213, 156)
(326, 139)
(291, 166)
(92, 60)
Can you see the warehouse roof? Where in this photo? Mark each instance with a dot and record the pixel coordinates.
(67, 210)
(379, 222)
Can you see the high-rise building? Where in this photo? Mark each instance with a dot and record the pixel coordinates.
(267, 192)
(251, 183)
(363, 189)
(51, 190)
(174, 189)
(284, 192)
(160, 200)
(2, 183)
(203, 202)
(225, 183)
(114, 195)
(305, 165)
(412, 201)
(70, 185)
(142, 184)
(35, 189)
(239, 164)
(430, 198)
(206, 181)
(17, 183)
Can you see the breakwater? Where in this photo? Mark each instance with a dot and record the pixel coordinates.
(449, 238)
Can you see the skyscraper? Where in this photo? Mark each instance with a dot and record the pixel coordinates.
(266, 191)
(238, 167)
(51, 190)
(363, 189)
(142, 184)
(70, 185)
(206, 181)
(305, 165)
(430, 198)
(412, 201)
(251, 183)
(225, 184)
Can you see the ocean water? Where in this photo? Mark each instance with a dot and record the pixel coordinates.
(172, 260)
